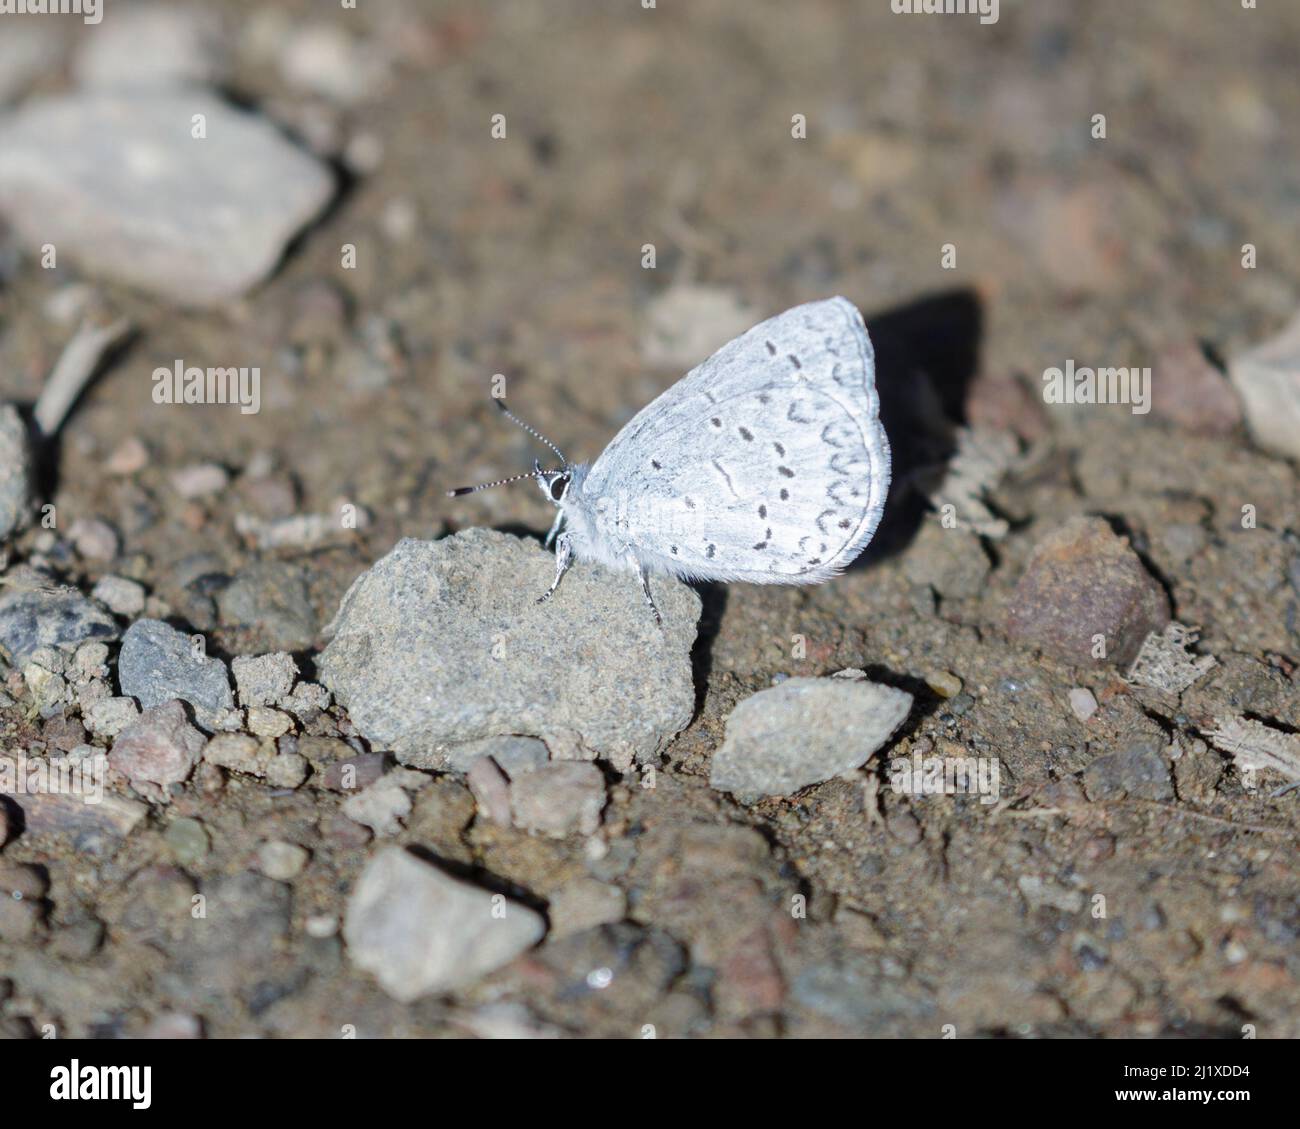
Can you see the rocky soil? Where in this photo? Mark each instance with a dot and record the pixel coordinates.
(1026, 769)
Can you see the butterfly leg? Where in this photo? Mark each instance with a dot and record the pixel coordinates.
(649, 599)
(555, 528)
(563, 558)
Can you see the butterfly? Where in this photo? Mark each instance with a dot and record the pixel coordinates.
(766, 463)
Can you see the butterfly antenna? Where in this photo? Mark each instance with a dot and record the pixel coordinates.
(486, 485)
(501, 404)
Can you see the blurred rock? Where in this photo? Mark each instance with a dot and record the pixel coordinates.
(804, 731)
(491, 790)
(432, 619)
(188, 840)
(270, 600)
(193, 220)
(1002, 402)
(200, 480)
(324, 59)
(28, 49)
(34, 617)
(121, 596)
(515, 755)
(151, 47)
(1268, 378)
(94, 539)
(281, 860)
(585, 903)
(65, 814)
(420, 931)
(160, 748)
(951, 561)
(687, 323)
(1189, 391)
(1083, 581)
(558, 799)
(384, 805)
(16, 469)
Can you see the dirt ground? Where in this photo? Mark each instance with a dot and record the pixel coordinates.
(1063, 909)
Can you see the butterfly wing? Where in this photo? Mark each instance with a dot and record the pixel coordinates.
(766, 463)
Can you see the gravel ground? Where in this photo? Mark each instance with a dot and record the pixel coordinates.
(1022, 770)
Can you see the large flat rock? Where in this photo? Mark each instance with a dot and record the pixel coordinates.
(444, 641)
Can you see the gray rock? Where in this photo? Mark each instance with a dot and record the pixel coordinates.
(196, 221)
(804, 731)
(443, 641)
(15, 471)
(62, 813)
(110, 716)
(158, 663)
(270, 600)
(264, 680)
(584, 903)
(31, 618)
(188, 840)
(515, 755)
(558, 799)
(1140, 770)
(160, 748)
(1268, 378)
(121, 596)
(420, 931)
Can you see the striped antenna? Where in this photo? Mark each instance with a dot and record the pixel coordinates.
(531, 430)
(486, 485)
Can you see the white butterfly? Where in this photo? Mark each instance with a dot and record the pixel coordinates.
(766, 464)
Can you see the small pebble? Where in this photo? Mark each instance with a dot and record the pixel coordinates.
(419, 931)
(281, 860)
(121, 596)
(264, 680)
(944, 683)
(127, 458)
(188, 841)
(93, 539)
(1083, 703)
(200, 480)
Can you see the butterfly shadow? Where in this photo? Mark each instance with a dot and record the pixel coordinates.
(927, 355)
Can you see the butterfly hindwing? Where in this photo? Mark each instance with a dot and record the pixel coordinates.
(766, 463)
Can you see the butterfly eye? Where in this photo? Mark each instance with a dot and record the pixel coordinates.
(558, 486)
